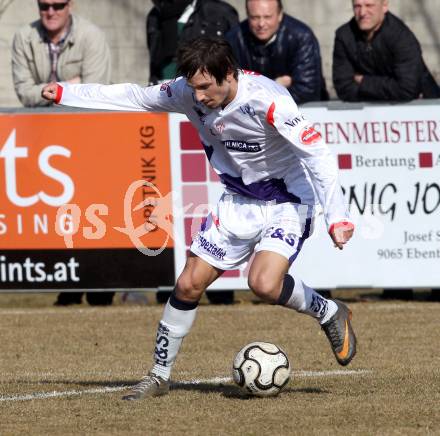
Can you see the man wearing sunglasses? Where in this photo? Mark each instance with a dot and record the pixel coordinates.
(66, 48)
(60, 46)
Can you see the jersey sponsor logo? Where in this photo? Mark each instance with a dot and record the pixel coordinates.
(309, 136)
(248, 147)
(247, 109)
(212, 249)
(292, 122)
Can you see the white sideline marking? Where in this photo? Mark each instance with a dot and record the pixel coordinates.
(403, 306)
(331, 373)
(214, 380)
(61, 311)
(58, 394)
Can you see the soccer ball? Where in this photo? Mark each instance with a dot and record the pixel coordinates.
(261, 369)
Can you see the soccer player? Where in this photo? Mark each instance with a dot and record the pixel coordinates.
(276, 171)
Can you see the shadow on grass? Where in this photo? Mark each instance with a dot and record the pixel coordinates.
(236, 393)
(233, 391)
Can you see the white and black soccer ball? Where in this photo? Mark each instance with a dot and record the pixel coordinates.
(261, 369)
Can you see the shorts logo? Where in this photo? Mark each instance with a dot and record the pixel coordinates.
(212, 249)
(309, 136)
(249, 147)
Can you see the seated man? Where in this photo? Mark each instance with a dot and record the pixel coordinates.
(280, 47)
(377, 58)
(59, 46)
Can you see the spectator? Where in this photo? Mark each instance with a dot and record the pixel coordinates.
(59, 47)
(171, 22)
(280, 47)
(377, 58)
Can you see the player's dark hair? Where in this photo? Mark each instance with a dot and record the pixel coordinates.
(209, 55)
(279, 3)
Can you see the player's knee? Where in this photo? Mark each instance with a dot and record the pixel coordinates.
(189, 288)
(264, 286)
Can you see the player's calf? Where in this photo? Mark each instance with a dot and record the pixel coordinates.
(334, 316)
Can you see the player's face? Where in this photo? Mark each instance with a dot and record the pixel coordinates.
(369, 14)
(55, 20)
(209, 92)
(264, 18)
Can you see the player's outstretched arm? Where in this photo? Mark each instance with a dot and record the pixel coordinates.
(123, 96)
(341, 233)
(119, 97)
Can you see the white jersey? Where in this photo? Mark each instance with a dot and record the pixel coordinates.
(260, 144)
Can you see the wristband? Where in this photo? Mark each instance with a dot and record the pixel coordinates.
(334, 226)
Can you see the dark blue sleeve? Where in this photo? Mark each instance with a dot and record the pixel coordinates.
(305, 69)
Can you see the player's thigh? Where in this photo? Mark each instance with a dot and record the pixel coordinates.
(216, 243)
(288, 230)
(196, 276)
(266, 274)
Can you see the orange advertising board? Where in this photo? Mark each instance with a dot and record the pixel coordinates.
(91, 162)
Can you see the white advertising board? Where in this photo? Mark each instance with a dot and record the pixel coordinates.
(389, 160)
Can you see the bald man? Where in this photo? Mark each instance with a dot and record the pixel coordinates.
(377, 58)
(280, 47)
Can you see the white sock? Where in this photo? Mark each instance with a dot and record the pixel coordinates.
(295, 294)
(177, 320)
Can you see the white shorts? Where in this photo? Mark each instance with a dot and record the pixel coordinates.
(242, 226)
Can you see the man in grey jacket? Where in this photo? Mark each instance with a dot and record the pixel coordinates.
(58, 47)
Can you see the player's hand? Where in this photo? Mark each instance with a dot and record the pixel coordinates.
(49, 92)
(341, 233)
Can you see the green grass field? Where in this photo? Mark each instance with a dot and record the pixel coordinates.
(63, 371)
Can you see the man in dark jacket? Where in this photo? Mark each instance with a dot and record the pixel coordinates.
(377, 58)
(172, 22)
(280, 47)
